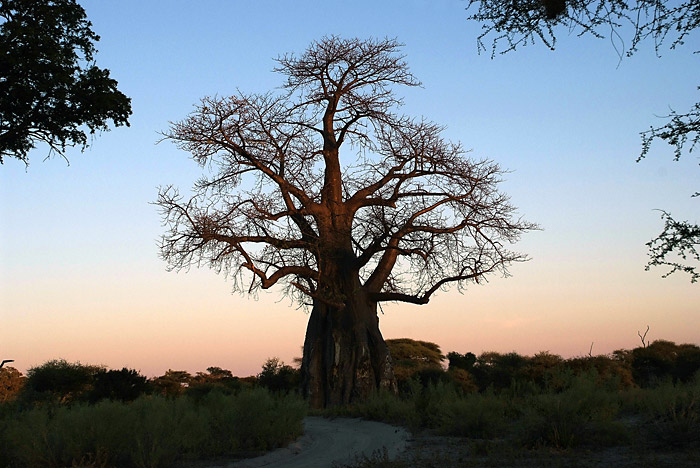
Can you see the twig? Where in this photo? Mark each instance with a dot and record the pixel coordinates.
(644, 344)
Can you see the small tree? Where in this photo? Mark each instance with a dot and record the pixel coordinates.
(172, 383)
(215, 379)
(11, 382)
(119, 385)
(50, 87)
(60, 381)
(464, 361)
(411, 357)
(276, 376)
(402, 216)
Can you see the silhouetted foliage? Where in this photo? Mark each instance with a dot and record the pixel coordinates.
(214, 380)
(59, 381)
(11, 382)
(172, 383)
(523, 22)
(464, 361)
(677, 245)
(287, 205)
(663, 360)
(645, 366)
(498, 370)
(540, 367)
(463, 379)
(150, 432)
(278, 377)
(415, 359)
(50, 87)
(428, 376)
(216, 374)
(609, 371)
(118, 385)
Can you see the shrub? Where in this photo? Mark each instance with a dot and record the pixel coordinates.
(498, 370)
(11, 382)
(663, 359)
(582, 414)
(119, 385)
(461, 361)
(670, 414)
(481, 416)
(59, 381)
(463, 380)
(172, 383)
(387, 407)
(215, 379)
(411, 357)
(276, 376)
(540, 366)
(197, 392)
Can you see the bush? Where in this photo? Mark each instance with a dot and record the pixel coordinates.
(498, 370)
(118, 385)
(276, 376)
(670, 414)
(11, 382)
(583, 414)
(463, 380)
(461, 361)
(387, 407)
(413, 357)
(173, 383)
(214, 380)
(59, 381)
(663, 359)
(199, 391)
(481, 416)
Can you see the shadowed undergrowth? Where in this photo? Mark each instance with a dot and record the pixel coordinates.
(150, 432)
(584, 414)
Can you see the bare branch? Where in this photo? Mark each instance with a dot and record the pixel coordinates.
(279, 205)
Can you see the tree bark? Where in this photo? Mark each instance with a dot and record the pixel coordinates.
(345, 356)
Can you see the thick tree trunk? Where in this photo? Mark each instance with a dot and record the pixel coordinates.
(345, 356)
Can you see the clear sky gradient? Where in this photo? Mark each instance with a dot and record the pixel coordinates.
(80, 276)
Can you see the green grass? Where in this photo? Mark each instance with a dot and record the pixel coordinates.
(151, 432)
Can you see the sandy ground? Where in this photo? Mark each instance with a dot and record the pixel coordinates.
(329, 442)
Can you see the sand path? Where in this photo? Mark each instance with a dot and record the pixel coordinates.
(328, 442)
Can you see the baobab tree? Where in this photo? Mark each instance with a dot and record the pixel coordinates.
(325, 190)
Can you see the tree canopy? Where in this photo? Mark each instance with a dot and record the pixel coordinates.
(627, 23)
(51, 91)
(417, 212)
(324, 188)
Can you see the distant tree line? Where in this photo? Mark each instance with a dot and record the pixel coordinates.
(646, 366)
(62, 382)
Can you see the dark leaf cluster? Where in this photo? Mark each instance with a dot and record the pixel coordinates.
(51, 91)
(521, 22)
(645, 366)
(676, 247)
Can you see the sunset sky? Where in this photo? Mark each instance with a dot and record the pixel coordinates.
(80, 276)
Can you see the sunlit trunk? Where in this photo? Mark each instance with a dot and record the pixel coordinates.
(345, 356)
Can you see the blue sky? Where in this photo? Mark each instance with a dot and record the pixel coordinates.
(80, 276)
